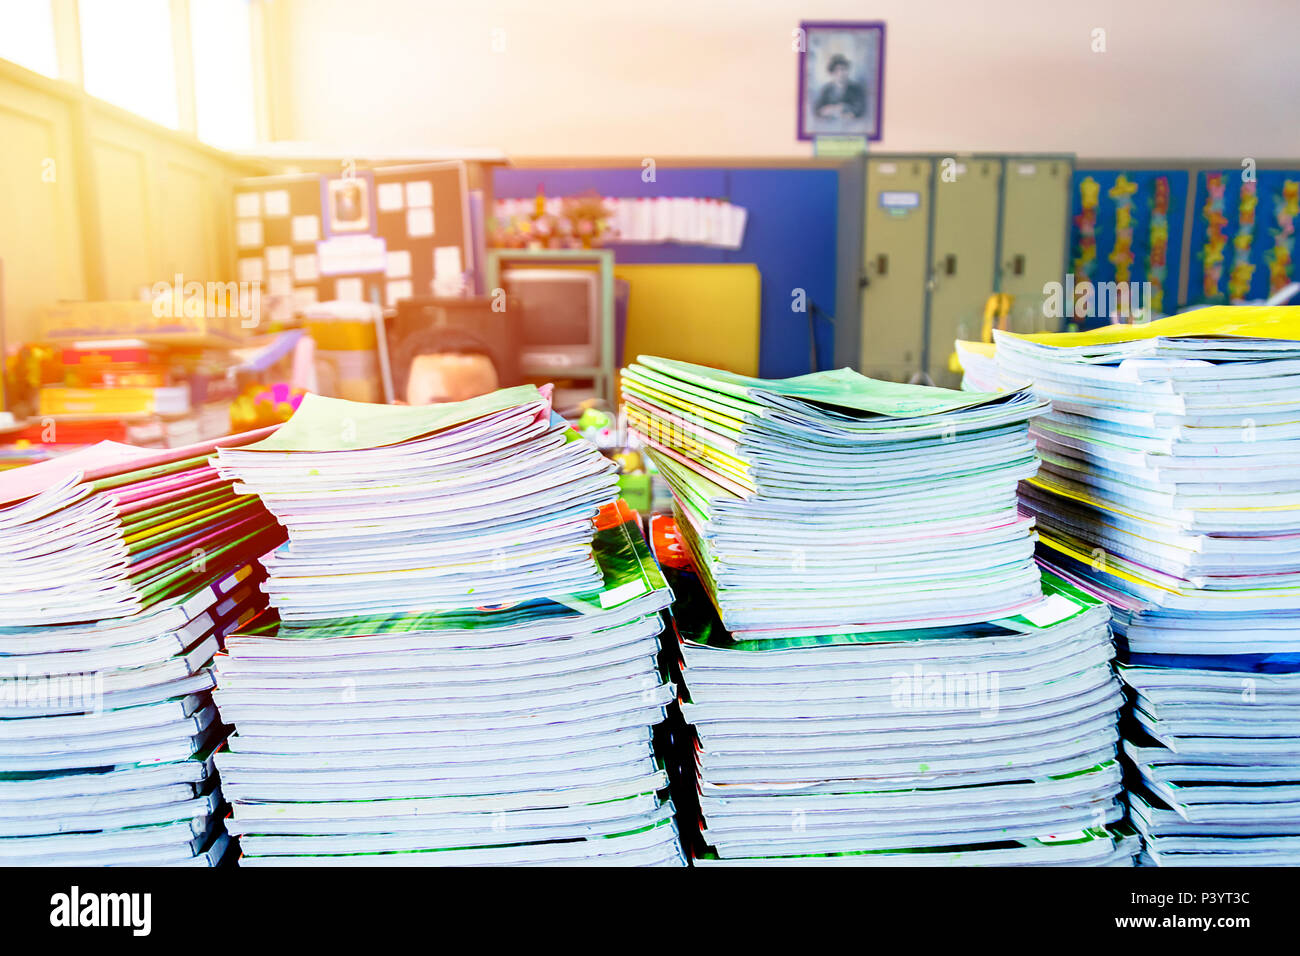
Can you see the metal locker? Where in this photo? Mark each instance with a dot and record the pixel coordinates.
(963, 258)
(1035, 230)
(894, 267)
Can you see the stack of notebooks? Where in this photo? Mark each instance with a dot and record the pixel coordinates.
(394, 509)
(123, 570)
(872, 672)
(832, 502)
(460, 662)
(1170, 488)
(989, 744)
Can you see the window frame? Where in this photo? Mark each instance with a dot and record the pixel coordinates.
(68, 47)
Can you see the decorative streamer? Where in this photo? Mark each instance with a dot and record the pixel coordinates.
(1242, 268)
(1121, 254)
(1216, 240)
(1085, 226)
(1286, 206)
(1158, 243)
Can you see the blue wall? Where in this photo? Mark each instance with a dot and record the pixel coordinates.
(790, 236)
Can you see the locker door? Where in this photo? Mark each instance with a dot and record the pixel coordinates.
(1035, 210)
(894, 265)
(964, 259)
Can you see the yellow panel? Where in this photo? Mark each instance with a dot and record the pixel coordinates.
(707, 314)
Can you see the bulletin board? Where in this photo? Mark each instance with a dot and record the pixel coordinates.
(1243, 234)
(1235, 244)
(1127, 226)
(373, 235)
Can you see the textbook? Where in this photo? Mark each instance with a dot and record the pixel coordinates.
(831, 501)
(507, 735)
(106, 752)
(459, 664)
(113, 530)
(425, 509)
(990, 743)
(124, 570)
(1170, 489)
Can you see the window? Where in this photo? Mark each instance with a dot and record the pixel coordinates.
(127, 58)
(194, 72)
(27, 35)
(221, 34)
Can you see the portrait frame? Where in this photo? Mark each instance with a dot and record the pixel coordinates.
(862, 44)
(360, 189)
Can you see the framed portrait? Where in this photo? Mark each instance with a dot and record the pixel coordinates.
(841, 78)
(347, 205)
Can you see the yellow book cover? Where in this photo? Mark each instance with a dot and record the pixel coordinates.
(1237, 321)
(113, 402)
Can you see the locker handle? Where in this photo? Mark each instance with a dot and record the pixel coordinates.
(950, 265)
(1018, 265)
(882, 264)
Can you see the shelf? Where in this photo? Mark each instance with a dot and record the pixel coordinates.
(175, 339)
(579, 371)
(603, 375)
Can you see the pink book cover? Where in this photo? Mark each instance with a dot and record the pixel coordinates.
(158, 457)
(107, 459)
(148, 494)
(22, 483)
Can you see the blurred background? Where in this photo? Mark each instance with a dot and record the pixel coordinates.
(210, 207)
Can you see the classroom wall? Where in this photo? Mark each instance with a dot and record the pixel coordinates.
(40, 225)
(717, 78)
(96, 203)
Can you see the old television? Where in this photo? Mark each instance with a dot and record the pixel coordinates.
(561, 323)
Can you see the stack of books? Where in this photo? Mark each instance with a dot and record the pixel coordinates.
(832, 502)
(1170, 488)
(393, 509)
(875, 670)
(460, 662)
(123, 570)
(113, 529)
(162, 392)
(980, 744)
